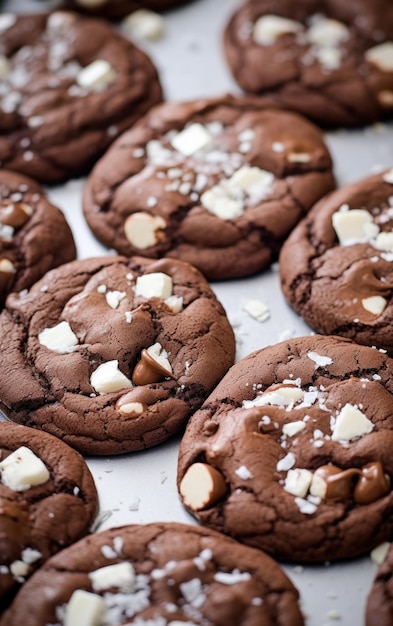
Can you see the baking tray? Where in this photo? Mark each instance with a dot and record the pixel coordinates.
(141, 487)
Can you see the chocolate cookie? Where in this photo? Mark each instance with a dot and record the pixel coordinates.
(379, 608)
(218, 183)
(167, 574)
(291, 453)
(112, 354)
(336, 267)
(115, 9)
(68, 86)
(48, 500)
(34, 235)
(329, 60)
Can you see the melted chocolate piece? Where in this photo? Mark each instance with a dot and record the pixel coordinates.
(14, 214)
(149, 370)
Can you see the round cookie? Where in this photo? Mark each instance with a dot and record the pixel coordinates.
(291, 453)
(48, 500)
(379, 608)
(34, 235)
(115, 9)
(167, 574)
(329, 60)
(218, 183)
(336, 267)
(68, 86)
(112, 354)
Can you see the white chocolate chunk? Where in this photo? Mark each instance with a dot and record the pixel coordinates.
(297, 482)
(114, 298)
(326, 32)
(96, 76)
(107, 378)
(144, 24)
(374, 304)
(22, 469)
(35, 121)
(283, 396)
(305, 506)
(29, 555)
(319, 360)
(160, 355)
(243, 472)
(318, 487)
(383, 241)
(257, 309)
(379, 553)
(268, 28)
(157, 153)
(60, 19)
(84, 609)
(6, 21)
(6, 266)
(141, 229)
(231, 578)
(131, 408)
(388, 177)
(255, 182)
(154, 285)
(119, 575)
(19, 569)
(293, 428)
(192, 139)
(354, 226)
(286, 463)
(174, 303)
(381, 56)
(350, 424)
(59, 338)
(4, 67)
(248, 134)
(219, 202)
(329, 58)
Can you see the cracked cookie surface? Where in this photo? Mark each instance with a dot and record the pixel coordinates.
(291, 451)
(218, 183)
(39, 519)
(163, 573)
(336, 266)
(34, 234)
(329, 60)
(113, 354)
(69, 85)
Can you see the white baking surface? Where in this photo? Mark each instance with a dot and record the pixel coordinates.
(141, 487)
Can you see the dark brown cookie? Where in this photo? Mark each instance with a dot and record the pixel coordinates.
(113, 354)
(48, 500)
(218, 183)
(291, 453)
(69, 85)
(34, 235)
(327, 59)
(336, 267)
(115, 9)
(379, 608)
(166, 574)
